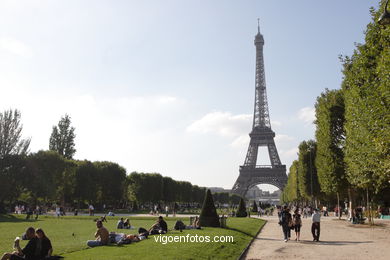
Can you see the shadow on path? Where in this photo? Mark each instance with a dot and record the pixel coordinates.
(331, 243)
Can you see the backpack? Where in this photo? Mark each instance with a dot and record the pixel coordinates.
(297, 219)
(179, 225)
(285, 218)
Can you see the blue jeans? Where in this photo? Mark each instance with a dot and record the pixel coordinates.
(93, 243)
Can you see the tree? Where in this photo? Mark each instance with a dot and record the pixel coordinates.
(62, 138)
(307, 172)
(291, 192)
(330, 137)
(11, 142)
(241, 212)
(208, 216)
(13, 150)
(366, 87)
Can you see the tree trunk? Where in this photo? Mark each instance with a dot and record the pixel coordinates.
(350, 208)
(338, 205)
(369, 215)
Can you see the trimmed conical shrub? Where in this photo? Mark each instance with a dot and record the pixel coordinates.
(254, 207)
(208, 216)
(241, 212)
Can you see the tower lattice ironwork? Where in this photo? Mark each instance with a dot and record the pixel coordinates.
(261, 135)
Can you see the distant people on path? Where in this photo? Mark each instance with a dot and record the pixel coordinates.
(166, 210)
(285, 220)
(315, 226)
(297, 221)
(58, 211)
(101, 235)
(91, 210)
(29, 252)
(160, 227)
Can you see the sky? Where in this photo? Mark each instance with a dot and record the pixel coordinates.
(168, 86)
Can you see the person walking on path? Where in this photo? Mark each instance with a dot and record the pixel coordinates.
(297, 221)
(315, 226)
(286, 221)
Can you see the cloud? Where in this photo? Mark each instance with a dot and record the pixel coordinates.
(16, 47)
(276, 123)
(307, 115)
(283, 138)
(222, 123)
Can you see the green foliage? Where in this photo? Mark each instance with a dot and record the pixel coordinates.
(291, 191)
(307, 173)
(209, 217)
(241, 212)
(152, 187)
(62, 138)
(366, 89)
(330, 137)
(11, 142)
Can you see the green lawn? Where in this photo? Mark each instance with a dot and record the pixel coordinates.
(69, 236)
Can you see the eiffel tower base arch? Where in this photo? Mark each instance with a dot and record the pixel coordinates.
(250, 176)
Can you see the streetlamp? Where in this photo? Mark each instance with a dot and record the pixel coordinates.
(385, 17)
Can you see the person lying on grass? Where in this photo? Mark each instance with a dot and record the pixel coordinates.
(121, 238)
(101, 235)
(29, 252)
(160, 227)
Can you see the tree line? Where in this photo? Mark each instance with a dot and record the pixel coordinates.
(53, 176)
(350, 156)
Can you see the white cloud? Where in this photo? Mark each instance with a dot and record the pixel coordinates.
(16, 47)
(241, 141)
(283, 138)
(307, 115)
(276, 123)
(222, 123)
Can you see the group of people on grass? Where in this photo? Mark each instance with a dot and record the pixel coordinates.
(294, 222)
(38, 247)
(104, 237)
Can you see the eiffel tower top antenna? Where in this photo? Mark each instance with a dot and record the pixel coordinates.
(258, 25)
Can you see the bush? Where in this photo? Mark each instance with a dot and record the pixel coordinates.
(241, 212)
(208, 216)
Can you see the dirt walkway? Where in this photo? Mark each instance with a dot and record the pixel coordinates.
(338, 240)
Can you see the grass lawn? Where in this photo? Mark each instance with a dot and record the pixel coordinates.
(69, 235)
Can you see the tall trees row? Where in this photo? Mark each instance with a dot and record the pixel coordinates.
(352, 145)
(54, 177)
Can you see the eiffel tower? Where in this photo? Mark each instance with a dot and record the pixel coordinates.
(252, 174)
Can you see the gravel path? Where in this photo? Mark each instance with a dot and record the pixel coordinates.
(338, 240)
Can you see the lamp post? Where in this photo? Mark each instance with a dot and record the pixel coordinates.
(385, 17)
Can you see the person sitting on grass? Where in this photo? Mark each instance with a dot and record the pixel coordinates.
(196, 223)
(160, 227)
(101, 235)
(126, 224)
(120, 224)
(29, 252)
(44, 244)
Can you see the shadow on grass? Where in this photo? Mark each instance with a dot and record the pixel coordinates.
(12, 218)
